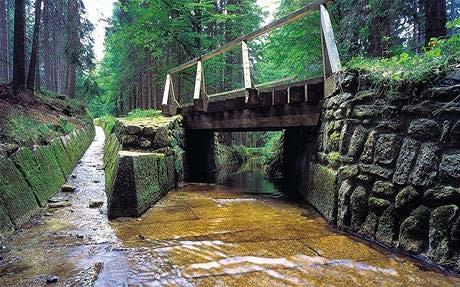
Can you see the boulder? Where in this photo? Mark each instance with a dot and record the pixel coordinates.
(413, 234)
(405, 161)
(376, 170)
(368, 152)
(441, 195)
(322, 192)
(378, 205)
(347, 171)
(424, 130)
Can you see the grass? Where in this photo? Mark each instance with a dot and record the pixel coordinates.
(138, 113)
(25, 130)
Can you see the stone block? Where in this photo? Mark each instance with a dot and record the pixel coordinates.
(441, 195)
(413, 233)
(387, 148)
(321, 192)
(347, 171)
(407, 199)
(426, 166)
(343, 213)
(441, 222)
(376, 170)
(449, 168)
(405, 161)
(359, 207)
(357, 141)
(388, 227)
(378, 205)
(383, 189)
(424, 130)
(369, 146)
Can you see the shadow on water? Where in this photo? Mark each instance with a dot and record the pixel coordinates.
(249, 177)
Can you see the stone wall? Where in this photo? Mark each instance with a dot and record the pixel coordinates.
(386, 166)
(143, 160)
(29, 177)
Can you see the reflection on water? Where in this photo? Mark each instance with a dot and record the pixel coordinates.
(199, 235)
(249, 177)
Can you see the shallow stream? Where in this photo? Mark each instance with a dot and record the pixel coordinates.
(242, 234)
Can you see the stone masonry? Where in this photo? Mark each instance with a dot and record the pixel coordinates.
(386, 166)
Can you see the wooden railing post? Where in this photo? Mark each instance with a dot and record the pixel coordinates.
(246, 65)
(168, 107)
(331, 58)
(199, 102)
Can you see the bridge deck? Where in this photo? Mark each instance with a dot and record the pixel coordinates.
(269, 108)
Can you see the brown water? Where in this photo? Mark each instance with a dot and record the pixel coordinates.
(199, 235)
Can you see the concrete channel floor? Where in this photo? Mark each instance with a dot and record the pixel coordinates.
(198, 235)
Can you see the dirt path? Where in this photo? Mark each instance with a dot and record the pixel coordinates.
(196, 236)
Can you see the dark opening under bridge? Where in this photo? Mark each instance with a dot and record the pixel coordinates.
(272, 105)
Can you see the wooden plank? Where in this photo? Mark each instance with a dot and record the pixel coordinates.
(198, 80)
(296, 83)
(297, 94)
(280, 97)
(246, 65)
(235, 103)
(188, 108)
(217, 106)
(315, 93)
(237, 121)
(329, 40)
(166, 91)
(306, 10)
(200, 105)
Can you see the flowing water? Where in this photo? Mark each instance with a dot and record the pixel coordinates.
(243, 234)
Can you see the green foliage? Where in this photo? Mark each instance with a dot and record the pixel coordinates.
(66, 126)
(25, 130)
(271, 147)
(138, 113)
(410, 67)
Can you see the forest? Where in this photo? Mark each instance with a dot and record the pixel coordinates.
(51, 48)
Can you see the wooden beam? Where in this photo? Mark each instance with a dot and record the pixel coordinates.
(166, 91)
(329, 40)
(308, 9)
(246, 65)
(198, 80)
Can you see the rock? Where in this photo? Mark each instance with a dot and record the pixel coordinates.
(357, 141)
(364, 178)
(405, 161)
(383, 189)
(73, 176)
(345, 135)
(387, 227)
(449, 169)
(68, 188)
(96, 203)
(59, 204)
(407, 198)
(376, 170)
(132, 129)
(445, 137)
(413, 234)
(363, 111)
(52, 279)
(128, 140)
(455, 133)
(393, 125)
(441, 221)
(347, 171)
(441, 195)
(145, 143)
(378, 205)
(387, 148)
(359, 206)
(343, 214)
(426, 166)
(161, 139)
(424, 130)
(368, 153)
(370, 225)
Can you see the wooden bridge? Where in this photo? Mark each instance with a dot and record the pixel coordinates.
(275, 105)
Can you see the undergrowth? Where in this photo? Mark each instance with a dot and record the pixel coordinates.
(138, 113)
(27, 130)
(412, 68)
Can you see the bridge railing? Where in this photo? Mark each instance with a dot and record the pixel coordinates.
(331, 59)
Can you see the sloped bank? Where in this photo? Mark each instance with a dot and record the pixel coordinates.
(386, 166)
(143, 160)
(30, 176)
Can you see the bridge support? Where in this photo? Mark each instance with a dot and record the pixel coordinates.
(297, 147)
(200, 156)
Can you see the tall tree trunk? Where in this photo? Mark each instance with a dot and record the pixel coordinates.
(435, 19)
(453, 10)
(35, 47)
(19, 71)
(46, 46)
(73, 47)
(4, 71)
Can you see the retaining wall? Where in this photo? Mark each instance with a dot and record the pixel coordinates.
(29, 177)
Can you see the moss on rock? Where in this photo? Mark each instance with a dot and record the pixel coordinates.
(322, 192)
